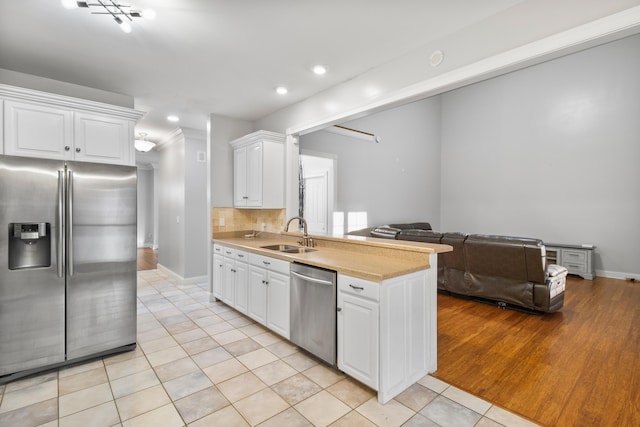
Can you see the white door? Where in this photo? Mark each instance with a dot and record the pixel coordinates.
(315, 202)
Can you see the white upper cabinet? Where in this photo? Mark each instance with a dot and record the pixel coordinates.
(258, 170)
(37, 130)
(38, 124)
(103, 139)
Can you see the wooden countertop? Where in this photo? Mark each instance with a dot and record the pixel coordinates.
(367, 258)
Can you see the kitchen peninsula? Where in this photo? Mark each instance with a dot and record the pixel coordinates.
(386, 298)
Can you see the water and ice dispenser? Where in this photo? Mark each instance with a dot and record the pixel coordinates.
(29, 245)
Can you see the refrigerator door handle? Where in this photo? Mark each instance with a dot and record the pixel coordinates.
(61, 236)
(70, 223)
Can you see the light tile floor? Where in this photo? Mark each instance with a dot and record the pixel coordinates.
(203, 364)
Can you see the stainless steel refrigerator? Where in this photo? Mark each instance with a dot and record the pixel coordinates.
(67, 262)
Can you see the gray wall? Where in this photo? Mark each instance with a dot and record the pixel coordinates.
(552, 152)
(183, 212)
(397, 179)
(223, 130)
(29, 81)
(145, 207)
(171, 206)
(196, 215)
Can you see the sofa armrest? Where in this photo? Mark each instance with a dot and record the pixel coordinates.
(554, 270)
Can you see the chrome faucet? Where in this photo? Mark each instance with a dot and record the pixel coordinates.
(306, 240)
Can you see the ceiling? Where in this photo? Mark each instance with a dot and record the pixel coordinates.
(223, 56)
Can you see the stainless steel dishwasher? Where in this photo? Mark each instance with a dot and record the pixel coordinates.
(313, 310)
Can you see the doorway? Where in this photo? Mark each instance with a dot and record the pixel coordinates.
(318, 174)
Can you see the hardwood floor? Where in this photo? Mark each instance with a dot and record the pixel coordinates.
(577, 367)
(147, 259)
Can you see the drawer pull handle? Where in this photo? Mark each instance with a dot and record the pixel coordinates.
(339, 309)
(233, 271)
(359, 288)
(266, 262)
(240, 256)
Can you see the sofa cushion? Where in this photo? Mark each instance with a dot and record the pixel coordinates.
(412, 226)
(418, 235)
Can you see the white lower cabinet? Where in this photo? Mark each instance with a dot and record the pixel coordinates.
(278, 303)
(387, 330)
(269, 284)
(233, 286)
(358, 333)
(218, 271)
(253, 284)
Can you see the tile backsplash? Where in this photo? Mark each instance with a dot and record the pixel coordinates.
(231, 219)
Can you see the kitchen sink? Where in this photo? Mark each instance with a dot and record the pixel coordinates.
(290, 249)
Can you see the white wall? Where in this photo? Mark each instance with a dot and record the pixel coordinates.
(552, 152)
(397, 179)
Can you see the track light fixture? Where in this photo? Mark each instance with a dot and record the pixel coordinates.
(122, 14)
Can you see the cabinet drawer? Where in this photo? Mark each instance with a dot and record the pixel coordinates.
(218, 249)
(240, 255)
(228, 252)
(360, 287)
(575, 267)
(572, 256)
(269, 263)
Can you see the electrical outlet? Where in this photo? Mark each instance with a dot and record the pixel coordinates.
(221, 221)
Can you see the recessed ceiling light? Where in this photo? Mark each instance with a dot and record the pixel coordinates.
(69, 4)
(281, 90)
(173, 119)
(319, 69)
(436, 58)
(149, 14)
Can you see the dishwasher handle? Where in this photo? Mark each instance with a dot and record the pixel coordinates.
(312, 279)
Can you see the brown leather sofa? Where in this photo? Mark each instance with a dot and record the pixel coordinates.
(509, 271)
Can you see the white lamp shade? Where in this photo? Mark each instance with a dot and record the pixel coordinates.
(144, 146)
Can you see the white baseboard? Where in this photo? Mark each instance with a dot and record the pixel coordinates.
(185, 281)
(617, 275)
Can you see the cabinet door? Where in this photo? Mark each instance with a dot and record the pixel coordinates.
(37, 131)
(257, 304)
(102, 139)
(240, 177)
(278, 303)
(241, 286)
(218, 275)
(228, 281)
(358, 337)
(254, 175)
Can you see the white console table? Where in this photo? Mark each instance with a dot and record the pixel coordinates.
(576, 258)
